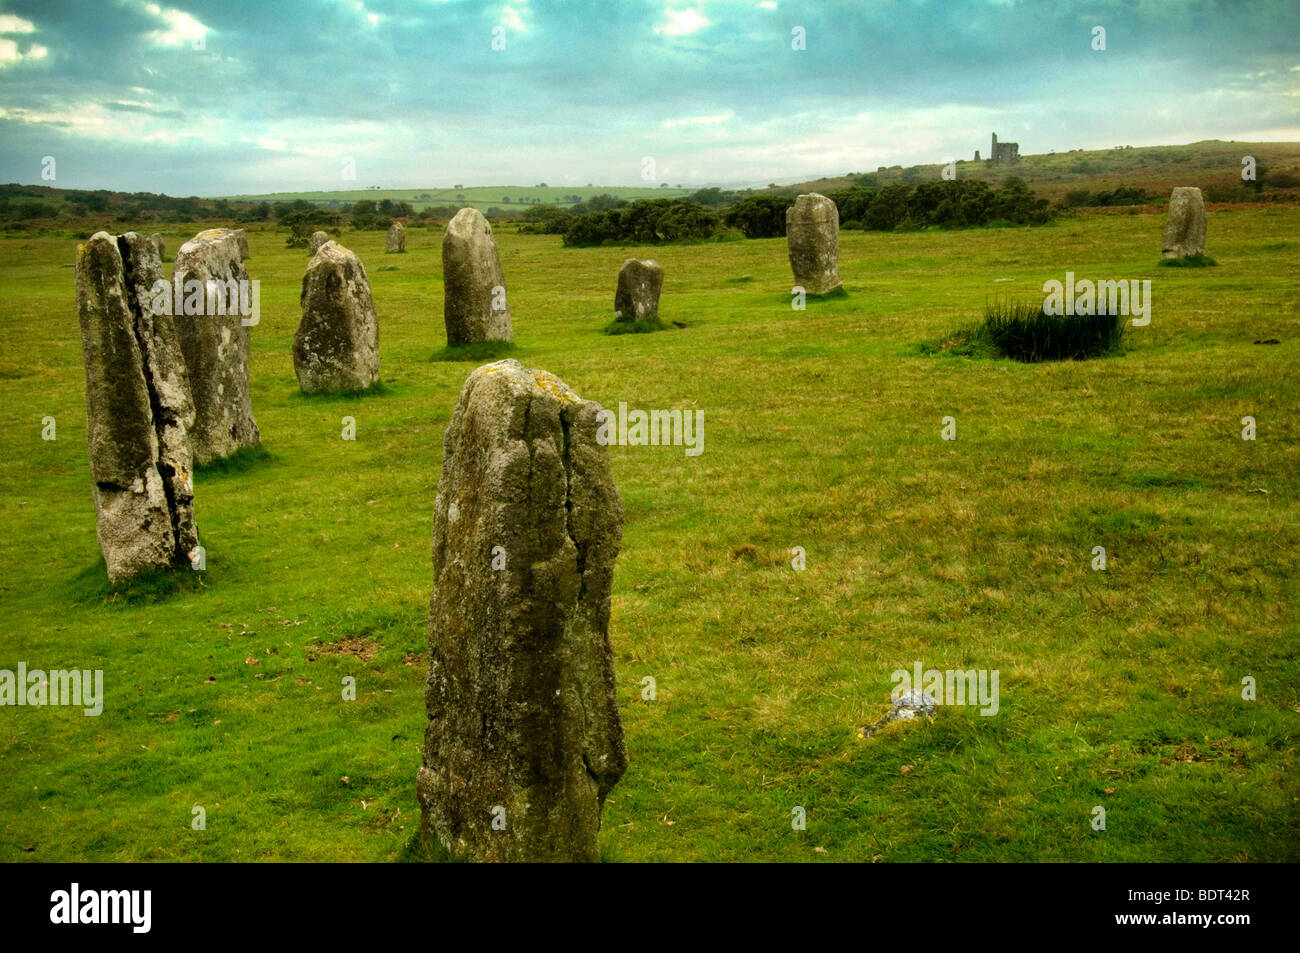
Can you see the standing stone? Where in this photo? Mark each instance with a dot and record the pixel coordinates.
(524, 739)
(474, 306)
(215, 345)
(336, 347)
(396, 237)
(317, 239)
(637, 297)
(242, 238)
(1185, 227)
(158, 243)
(138, 409)
(812, 232)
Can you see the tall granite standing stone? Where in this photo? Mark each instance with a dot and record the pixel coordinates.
(317, 239)
(215, 345)
(396, 238)
(474, 306)
(1185, 227)
(138, 409)
(524, 739)
(639, 284)
(812, 232)
(336, 347)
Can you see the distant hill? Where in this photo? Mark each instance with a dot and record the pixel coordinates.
(1212, 165)
(508, 198)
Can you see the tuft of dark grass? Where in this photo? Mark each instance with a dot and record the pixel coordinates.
(91, 585)
(1022, 331)
(645, 326)
(1191, 261)
(478, 351)
(377, 389)
(243, 459)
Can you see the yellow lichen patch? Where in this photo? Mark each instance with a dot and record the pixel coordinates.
(554, 386)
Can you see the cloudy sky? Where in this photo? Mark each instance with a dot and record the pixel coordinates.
(281, 93)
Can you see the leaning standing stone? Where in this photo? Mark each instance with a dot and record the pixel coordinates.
(396, 238)
(474, 304)
(637, 297)
(1185, 227)
(138, 409)
(812, 232)
(524, 739)
(215, 344)
(317, 239)
(336, 347)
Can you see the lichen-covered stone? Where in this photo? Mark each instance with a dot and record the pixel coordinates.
(812, 232)
(138, 409)
(317, 239)
(336, 346)
(216, 347)
(1185, 227)
(474, 304)
(396, 238)
(637, 296)
(523, 728)
(161, 246)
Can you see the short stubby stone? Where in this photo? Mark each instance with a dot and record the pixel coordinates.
(474, 306)
(215, 344)
(317, 239)
(524, 739)
(396, 238)
(639, 284)
(812, 233)
(1185, 227)
(138, 409)
(336, 347)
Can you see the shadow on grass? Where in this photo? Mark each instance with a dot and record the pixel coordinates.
(1191, 261)
(431, 851)
(91, 585)
(478, 351)
(241, 461)
(377, 389)
(642, 326)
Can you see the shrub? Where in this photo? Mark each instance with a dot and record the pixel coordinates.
(760, 216)
(1021, 331)
(645, 222)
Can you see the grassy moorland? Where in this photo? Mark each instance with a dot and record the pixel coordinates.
(1120, 689)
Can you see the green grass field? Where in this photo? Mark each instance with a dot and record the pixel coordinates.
(1120, 689)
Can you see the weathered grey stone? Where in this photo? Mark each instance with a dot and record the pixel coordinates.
(1185, 227)
(317, 239)
(523, 724)
(336, 347)
(396, 238)
(474, 306)
(138, 409)
(812, 232)
(242, 238)
(215, 344)
(161, 246)
(637, 297)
